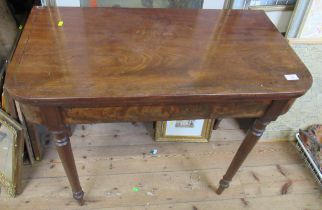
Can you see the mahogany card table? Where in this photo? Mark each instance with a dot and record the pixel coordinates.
(94, 65)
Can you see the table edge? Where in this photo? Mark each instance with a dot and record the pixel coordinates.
(151, 100)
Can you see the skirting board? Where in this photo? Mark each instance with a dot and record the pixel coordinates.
(305, 40)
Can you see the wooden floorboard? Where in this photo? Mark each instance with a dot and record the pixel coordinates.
(114, 158)
(170, 157)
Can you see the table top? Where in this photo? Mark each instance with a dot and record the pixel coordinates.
(146, 56)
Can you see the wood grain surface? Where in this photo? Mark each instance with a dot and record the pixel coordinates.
(151, 56)
(150, 113)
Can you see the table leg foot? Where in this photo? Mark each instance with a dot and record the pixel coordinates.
(223, 184)
(79, 197)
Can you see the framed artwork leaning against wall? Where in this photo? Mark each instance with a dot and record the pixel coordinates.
(198, 130)
(11, 152)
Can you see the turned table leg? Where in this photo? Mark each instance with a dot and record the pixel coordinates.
(253, 135)
(60, 133)
(65, 153)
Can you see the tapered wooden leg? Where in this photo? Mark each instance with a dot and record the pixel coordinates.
(253, 135)
(276, 108)
(53, 118)
(65, 153)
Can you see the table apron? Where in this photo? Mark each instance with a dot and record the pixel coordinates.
(75, 115)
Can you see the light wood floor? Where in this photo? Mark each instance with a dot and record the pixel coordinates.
(114, 158)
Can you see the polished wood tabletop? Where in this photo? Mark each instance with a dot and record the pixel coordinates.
(146, 56)
(114, 64)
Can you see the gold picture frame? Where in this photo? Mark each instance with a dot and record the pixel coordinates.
(205, 133)
(11, 152)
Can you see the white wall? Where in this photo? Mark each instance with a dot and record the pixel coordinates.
(213, 4)
(311, 26)
(68, 3)
(280, 19)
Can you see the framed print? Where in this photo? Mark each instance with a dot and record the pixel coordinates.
(198, 130)
(11, 151)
